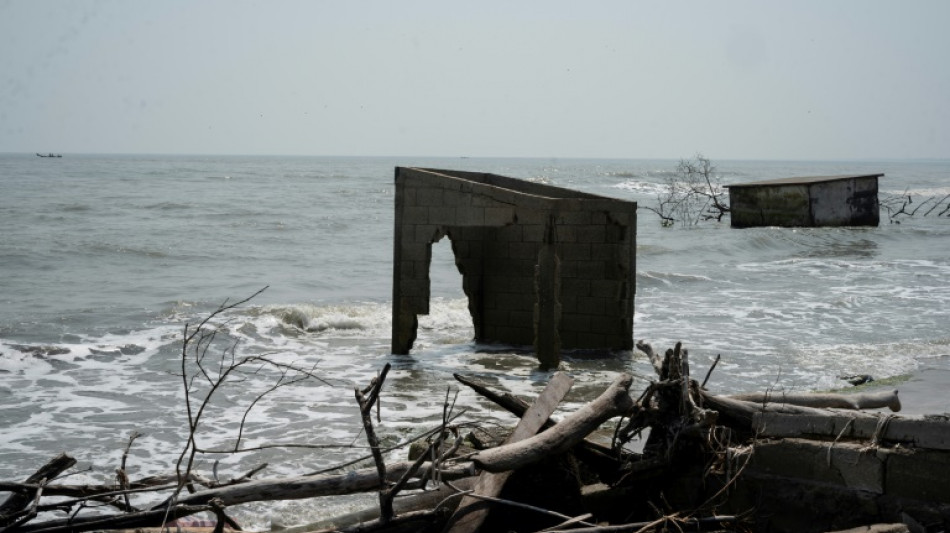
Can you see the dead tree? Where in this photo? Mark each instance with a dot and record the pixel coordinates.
(692, 194)
(901, 206)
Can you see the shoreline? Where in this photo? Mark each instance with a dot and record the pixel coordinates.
(925, 392)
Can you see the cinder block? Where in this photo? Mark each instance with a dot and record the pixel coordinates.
(470, 216)
(418, 253)
(482, 200)
(415, 215)
(569, 269)
(455, 199)
(515, 301)
(428, 196)
(574, 217)
(589, 305)
(532, 232)
(605, 288)
(575, 286)
(575, 322)
(507, 234)
(566, 234)
(443, 215)
(404, 196)
(521, 268)
(605, 252)
(615, 232)
(567, 251)
(592, 270)
(604, 325)
(498, 216)
(568, 339)
(415, 286)
(426, 233)
(518, 250)
(594, 233)
(531, 216)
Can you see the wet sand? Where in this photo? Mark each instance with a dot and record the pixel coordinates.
(927, 392)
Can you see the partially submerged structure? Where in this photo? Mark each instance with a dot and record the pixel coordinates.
(541, 266)
(848, 200)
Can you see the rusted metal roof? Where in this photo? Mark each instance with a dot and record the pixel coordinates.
(802, 180)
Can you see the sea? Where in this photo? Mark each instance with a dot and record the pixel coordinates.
(107, 262)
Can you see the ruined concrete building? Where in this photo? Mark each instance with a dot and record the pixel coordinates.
(541, 266)
(848, 200)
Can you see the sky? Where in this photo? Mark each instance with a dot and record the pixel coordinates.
(803, 80)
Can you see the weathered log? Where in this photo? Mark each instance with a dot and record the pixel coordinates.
(599, 458)
(739, 414)
(655, 359)
(19, 500)
(420, 501)
(614, 401)
(300, 487)
(413, 522)
(857, 401)
(471, 512)
(150, 518)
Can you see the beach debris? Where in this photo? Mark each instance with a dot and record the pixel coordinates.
(857, 379)
(760, 462)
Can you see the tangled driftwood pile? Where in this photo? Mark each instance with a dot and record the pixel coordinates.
(807, 462)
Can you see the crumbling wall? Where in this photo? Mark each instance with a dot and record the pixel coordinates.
(541, 265)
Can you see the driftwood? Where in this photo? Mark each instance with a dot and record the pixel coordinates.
(690, 471)
(472, 511)
(21, 499)
(598, 457)
(615, 401)
(438, 498)
(856, 401)
(295, 488)
(365, 480)
(739, 413)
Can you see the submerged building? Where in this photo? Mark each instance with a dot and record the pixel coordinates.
(848, 200)
(541, 266)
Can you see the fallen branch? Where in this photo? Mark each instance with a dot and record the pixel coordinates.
(471, 512)
(21, 499)
(614, 401)
(857, 401)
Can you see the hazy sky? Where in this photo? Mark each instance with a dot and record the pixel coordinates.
(627, 79)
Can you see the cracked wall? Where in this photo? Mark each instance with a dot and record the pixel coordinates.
(541, 266)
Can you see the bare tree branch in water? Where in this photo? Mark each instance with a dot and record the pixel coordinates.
(898, 206)
(692, 194)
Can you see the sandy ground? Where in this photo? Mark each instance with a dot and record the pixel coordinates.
(927, 392)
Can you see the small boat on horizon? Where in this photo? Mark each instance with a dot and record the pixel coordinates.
(48, 155)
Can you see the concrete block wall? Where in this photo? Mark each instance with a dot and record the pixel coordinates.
(832, 485)
(498, 226)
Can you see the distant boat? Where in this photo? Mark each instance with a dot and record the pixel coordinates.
(49, 155)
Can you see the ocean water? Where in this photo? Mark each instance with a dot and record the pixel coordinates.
(105, 259)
